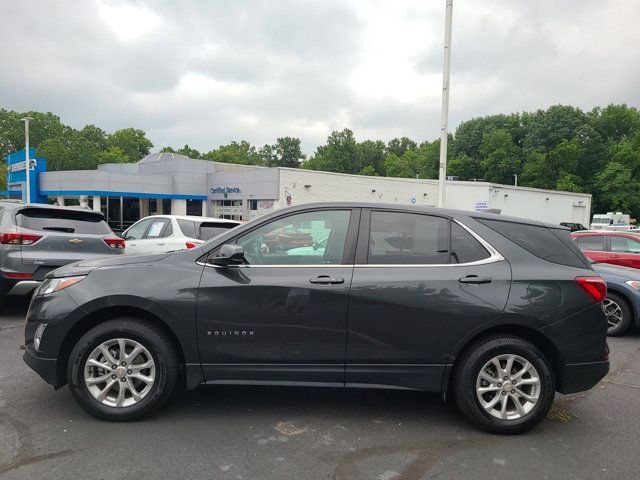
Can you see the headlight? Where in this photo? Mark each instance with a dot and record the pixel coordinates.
(51, 285)
(633, 284)
(37, 337)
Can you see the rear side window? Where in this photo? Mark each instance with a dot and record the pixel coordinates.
(208, 230)
(539, 241)
(464, 247)
(158, 228)
(408, 238)
(64, 221)
(188, 228)
(591, 242)
(624, 244)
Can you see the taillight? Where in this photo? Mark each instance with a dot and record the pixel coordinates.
(15, 238)
(193, 244)
(114, 242)
(596, 287)
(18, 275)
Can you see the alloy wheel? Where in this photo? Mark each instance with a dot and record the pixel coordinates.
(613, 312)
(119, 372)
(508, 387)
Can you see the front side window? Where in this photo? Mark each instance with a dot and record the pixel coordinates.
(136, 232)
(408, 238)
(591, 242)
(308, 238)
(624, 245)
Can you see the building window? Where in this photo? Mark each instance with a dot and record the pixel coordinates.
(194, 207)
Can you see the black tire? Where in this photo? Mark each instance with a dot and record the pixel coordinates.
(468, 367)
(157, 343)
(613, 300)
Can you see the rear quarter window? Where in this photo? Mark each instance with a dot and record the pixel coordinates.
(552, 245)
(62, 221)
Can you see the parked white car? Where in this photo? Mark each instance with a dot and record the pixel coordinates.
(166, 233)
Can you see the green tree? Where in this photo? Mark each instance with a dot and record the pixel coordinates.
(369, 171)
(372, 153)
(501, 158)
(287, 153)
(133, 142)
(615, 122)
(568, 182)
(536, 172)
(398, 167)
(340, 154)
(398, 146)
(95, 135)
(618, 189)
(113, 155)
(464, 167)
(189, 152)
(236, 152)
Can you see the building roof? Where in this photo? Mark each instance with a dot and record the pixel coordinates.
(156, 157)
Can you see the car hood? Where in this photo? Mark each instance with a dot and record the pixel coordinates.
(622, 272)
(83, 267)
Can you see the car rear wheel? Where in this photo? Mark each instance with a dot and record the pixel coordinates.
(123, 369)
(618, 314)
(504, 384)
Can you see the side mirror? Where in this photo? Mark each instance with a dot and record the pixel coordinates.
(315, 245)
(228, 255)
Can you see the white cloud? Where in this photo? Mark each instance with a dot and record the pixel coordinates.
(127, 21)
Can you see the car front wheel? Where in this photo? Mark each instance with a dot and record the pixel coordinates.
(504, 384)
(122, 369)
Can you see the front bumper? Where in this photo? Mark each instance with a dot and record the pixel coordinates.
(578, 377)
(47, 368)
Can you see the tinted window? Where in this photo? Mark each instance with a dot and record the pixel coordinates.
(591, 242)
(408, 238)
(537, 240)
(465, 248)
(188, 228)
(136, 232)
(65, 221)
(157, 228)
(624, 245)
(295, 240)
(208, 230)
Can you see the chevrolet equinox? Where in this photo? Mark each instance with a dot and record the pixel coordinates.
(497, 312)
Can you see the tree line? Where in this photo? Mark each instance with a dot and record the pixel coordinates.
(562, 147)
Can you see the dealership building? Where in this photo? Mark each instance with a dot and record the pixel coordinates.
(176, 184)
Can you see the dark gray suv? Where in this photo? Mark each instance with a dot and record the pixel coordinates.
(499, 312)
(36, 239)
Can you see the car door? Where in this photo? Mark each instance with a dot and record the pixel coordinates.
(281, 316)
(134, 235)
(594, 247)
(625, 251)
(420, 283)
(157, 238)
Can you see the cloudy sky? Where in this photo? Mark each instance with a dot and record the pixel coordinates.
(210, 71)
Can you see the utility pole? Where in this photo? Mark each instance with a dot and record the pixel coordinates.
(515, 182)
(27, 160)
(444, 119)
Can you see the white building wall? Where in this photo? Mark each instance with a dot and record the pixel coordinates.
(299, 186)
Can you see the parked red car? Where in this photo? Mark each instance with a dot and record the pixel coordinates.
(617, 248)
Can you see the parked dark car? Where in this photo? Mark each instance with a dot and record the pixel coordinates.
(574, 227)
(616, 248)
(497, 311)
(622, 304)
(36, 239)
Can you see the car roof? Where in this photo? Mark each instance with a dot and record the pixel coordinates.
(611, 233)
(17, 205)
(421, 209)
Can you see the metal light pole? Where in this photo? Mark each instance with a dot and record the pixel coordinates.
(515, 176)
(27, 160)
(444, 119)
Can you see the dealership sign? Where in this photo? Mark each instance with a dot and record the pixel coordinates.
(225, 190)
(20, 166)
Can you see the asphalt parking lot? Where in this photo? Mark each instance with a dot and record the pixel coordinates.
(278, 433)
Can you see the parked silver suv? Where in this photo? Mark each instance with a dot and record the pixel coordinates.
(36, 239)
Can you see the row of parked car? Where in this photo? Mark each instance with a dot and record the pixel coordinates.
(36, 239)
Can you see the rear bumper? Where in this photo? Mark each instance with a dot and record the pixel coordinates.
(47, 368)
(577, 377)
(23, 287)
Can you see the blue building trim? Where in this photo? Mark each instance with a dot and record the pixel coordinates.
(10, 192)
(101, 193)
